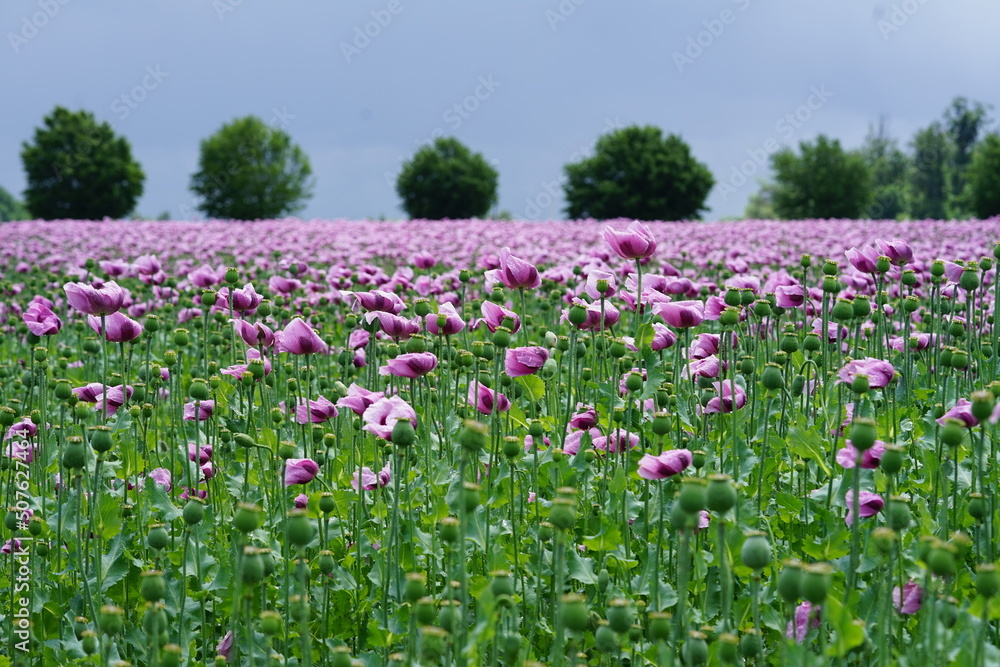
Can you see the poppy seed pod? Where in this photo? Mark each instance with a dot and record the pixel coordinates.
(772, 378)
(693, 495)
(953, 432)
(815, 584)
(982, 404)
(892, 459)
(790, 581)
(100, 439)
(299, 528)
(720, 495)
(987, 580)
(756, 551)
(153, 587)
(695, 649)
(573, 611)
(247, 517)
(898, 514)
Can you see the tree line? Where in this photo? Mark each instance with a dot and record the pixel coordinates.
(77, 167)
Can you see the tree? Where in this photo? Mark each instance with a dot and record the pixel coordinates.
(447, 180)
(984, 178)
(761, 204)
(889, 166)
(10, 208)
(964, 121)
(823, 181)
(77, 168)
(248, 171)
(637, 173)
(928, 191)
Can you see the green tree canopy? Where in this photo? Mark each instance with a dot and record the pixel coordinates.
(77, 168)
(889, 167)
(248, 170)
(928, 191)
(638, 173)
(760, 206)
(964, 122)
(822, 181)
(984, 178)
(10, 208)
(447, 180)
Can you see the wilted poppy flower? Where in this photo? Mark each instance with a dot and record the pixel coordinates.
(314, 412)
(495, 314)
(204, 410)
(382, 415)
(486, 400)
(446, 322)
(358, 399)
(90, 300)
(514, 272)
(13, 546)
(254, 334)
(225, 647)
(299, 338)
(368, 480)
(912, 598)
(119, 328)
(665, 465)
(524, 360)
(732, 396)
(618, 441)
(879, 372)
(636, 242)
(410, 365)
(807, 616)
(300, 471)
(40, 319)
(681, 314)
(869, 504)
(870, 459)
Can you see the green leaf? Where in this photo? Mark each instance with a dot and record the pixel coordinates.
(808, 445)
(847, 633)
(581, 569)
(533, 385)
(158, 497)
(108, 521)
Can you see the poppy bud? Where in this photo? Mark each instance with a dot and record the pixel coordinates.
(448, 529)
(563, 513)
(884, 540)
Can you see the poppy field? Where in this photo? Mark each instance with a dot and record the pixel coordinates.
(491, 443)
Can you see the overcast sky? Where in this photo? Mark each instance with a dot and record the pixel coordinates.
(531, 84)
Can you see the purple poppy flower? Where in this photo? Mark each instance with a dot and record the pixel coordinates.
(636, 242)
(870, 459)
(514, 272)
(410, 365)
(368, 480)
(299, 338)
(300, 471)
(618, 441)
(118, 328)
(806, 617)
(731, 397)
(40, 320)
(314, 412)
(446, 322)
(869, 504)
(681, 314)
(912, 598)
(667, 464)
(254, 335)
(494, 315)
(524, 360)
(204, 410)
(381, 416)
(486, 400)
(162, 477)
(880, 373)
(90, 300)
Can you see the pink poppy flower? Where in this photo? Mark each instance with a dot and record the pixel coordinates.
(40, 320)
(202, 453)
(961, 411)
(665, 465)
(806, 617)
(584, 420)
(514, 272)
(663, 337)
(880, 373)
(870, 460)
(728, 399)
(863, 260)
(381, 416)
(204, 410)
(300, 471)
(618, 441)
(912, 598)
(314, 412)
(681, 314)
(495, 314)
(446, 322)
(301, 501)
(161, 476)
(789, 296)
(379, 300)
(591, 287)
(636, 242)
(394, 326)
(869, 504)
(254, 335)
(898, 251)
(299, 338)
(245, 299)
(410, 365)
(524, 360)
(368, 480)
(90, 300)
(119, 328)
(571, 443)
(486, 400)
(359, 399)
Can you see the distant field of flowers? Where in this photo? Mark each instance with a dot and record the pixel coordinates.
(499, 443)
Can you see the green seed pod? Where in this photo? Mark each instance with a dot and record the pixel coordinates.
(693, 495)
(987, 580)
(157, 537)
(953, 432)
(816, 582)
(790, 581)
(448, 529)
(892, 459)
(270, 623)
(425, 611)
(751, 644)
(620, 614)
(633, 382)
(563, 513)
(843, 310)
(721, 493)
(247, 517)
(472, 436)
(884, 540)
(415, 586)
(100, 438)
(969, 280)
(979, 506)
(252, 567)
(897, 512)
(299, 528)
(153, 587)
(729, 645)
(194, 511)
(659, 626)
(605, 639)
(772, 378)
(326, 561)
(789, 343)
(695, 649)
(74, 454)
(941, 559)
(110, 619)
(729, 317)
(756, 551)
(811, 342)
(471, 496)
(863, 434)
